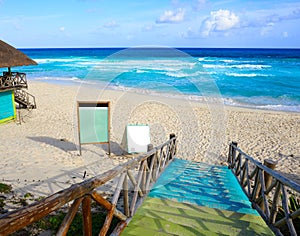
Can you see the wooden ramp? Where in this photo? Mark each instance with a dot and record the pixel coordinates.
(196, 199)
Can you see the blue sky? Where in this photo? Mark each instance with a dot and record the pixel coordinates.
(127, 23)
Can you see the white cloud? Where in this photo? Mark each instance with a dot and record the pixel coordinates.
(62, 29)
(199, 4)
(221, 20)
(267, 29)
(111, 25)
(285, 34)
(172, 16)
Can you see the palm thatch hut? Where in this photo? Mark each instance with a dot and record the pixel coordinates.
(11, 82)
(10, 56)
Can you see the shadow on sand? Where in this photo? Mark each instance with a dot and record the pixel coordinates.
(62, 144)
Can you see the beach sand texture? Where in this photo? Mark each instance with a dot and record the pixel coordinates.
(40, 155)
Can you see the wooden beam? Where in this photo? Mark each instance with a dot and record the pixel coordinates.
(87, 216)
(65, 225)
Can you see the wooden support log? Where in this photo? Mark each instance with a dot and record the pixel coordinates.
(111, 212)
(267, 180)
(107, 221)
(65, 225)
(257, 187)
(132, 179)
(231, 154)
(119, 228)
(87, 216)
(286, 209)
(118, 189)
(160, 159)
(149, 148)
(151, 175)
(151, 164)
(101, 201)
(173, 145)
(248, 179)
(274, 208)
(134, 199)
(126, 197)
(144, 177)
(108, 206)
(166, 156)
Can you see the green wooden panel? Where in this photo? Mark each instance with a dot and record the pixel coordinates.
(7, 106)
(94, 125)
(160, 216)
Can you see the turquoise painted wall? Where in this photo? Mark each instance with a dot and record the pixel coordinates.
(7, 106)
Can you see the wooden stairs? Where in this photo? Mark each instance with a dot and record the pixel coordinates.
(196, 199)
(18, 82)
(25, 99)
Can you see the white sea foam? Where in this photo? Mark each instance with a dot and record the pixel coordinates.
(51, 60)
(64, 80)
(242, 66)
(245, 75)
(227, 60)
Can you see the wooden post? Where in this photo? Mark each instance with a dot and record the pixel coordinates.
(126, 197)
(231, 154)
(172, 135)
(149, 160)
(267, 178)
(86, 215)
(149, 148)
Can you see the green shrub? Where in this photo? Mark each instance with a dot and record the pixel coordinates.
(5, 188)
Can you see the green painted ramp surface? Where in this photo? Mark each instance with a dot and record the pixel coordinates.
(196, 199)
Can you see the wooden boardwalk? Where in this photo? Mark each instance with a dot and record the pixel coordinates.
(196, 199)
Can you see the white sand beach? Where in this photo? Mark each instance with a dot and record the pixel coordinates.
(40, 154)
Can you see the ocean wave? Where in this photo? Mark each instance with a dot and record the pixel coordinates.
(179, 74)
(290, 108)
(256, 104)
(242, 66)
(228, 61)
(52, 60)
(63, 80)
(205, 59)
(245, 75)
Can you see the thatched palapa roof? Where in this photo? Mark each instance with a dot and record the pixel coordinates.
(10, 56)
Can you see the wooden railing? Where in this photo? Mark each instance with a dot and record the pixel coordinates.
(25, 99)
(133, 186)
(274, 196)
(13, 80)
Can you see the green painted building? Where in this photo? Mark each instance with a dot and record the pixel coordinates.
(7, 106)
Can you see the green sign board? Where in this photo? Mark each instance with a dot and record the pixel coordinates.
(93, 122)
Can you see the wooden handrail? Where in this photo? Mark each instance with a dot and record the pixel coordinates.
(266, 189)
(83, 193)
(25, 99)
(13, 80)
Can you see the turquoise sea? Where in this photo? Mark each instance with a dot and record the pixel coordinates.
(257, 78)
